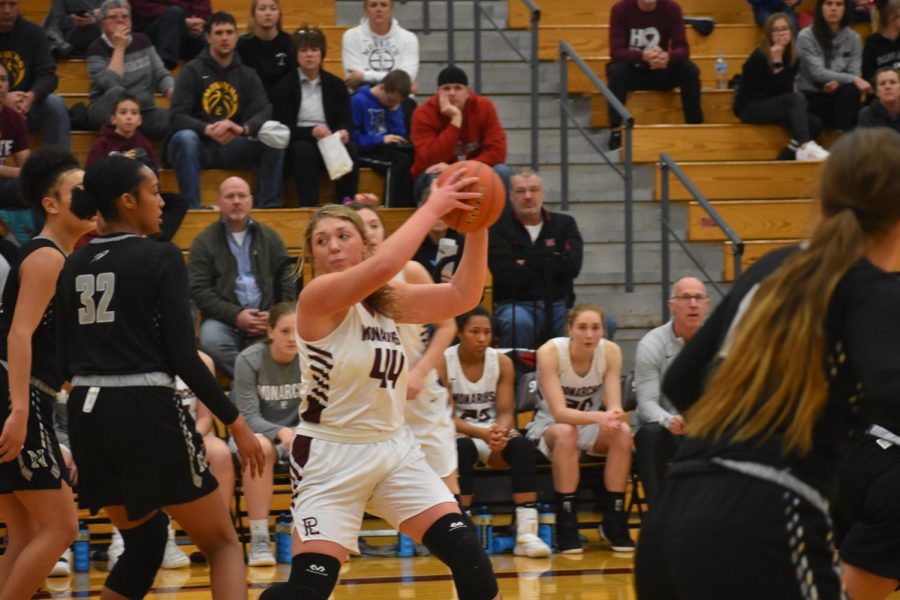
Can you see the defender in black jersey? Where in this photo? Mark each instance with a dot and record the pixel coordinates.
(126, 331)
(35, 498)
(787, 373)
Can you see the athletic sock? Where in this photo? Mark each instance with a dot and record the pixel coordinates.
(259, 528)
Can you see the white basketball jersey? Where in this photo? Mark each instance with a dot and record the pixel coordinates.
(353, 380)
(475, 401)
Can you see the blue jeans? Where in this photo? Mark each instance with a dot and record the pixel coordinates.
(189, 154)
(51, 118)
(521, 324)
(424, 181)
(171, 38)
(223, 343)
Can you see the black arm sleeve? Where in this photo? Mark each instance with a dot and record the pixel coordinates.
(178, 339)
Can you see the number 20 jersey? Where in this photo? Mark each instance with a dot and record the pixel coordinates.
(353, 380)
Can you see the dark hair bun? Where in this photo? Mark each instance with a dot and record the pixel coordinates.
(84, 204)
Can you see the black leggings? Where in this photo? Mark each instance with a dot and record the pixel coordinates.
(837, 110)
(518, 454)
(623, 78)
(788, 110)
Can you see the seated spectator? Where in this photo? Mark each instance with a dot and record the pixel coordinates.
(534, 257)
(581, 411)
(32, 76)
(882, 48)
(830, 66)
(377, 46)
(860, 10)
(481, 382)
(649, 51)
(266, 48)
(381, 137)
(218, 104)
(72, 25)
(456, 124)
(266, 389)
(658, 425)
(767, 94)
(427, 253)
(176, 27)
(121, 61)
(763, 9)
(232, 290)
(884, 111)
(313, 103)
(14, 146)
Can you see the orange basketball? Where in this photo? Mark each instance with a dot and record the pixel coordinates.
(485, 210)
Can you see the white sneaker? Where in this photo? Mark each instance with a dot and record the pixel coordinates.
(115, 550)
(812, 152)
(174, 558)
(527, 541)
(260, 554)
(61, 568)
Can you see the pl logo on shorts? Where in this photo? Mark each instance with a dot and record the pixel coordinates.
(309, 526)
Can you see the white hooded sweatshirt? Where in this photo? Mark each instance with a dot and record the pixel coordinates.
(376, 55)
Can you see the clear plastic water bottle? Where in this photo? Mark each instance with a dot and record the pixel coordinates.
(484, 522)
(405, 547)
(283, 552)
(546, 524)
(721, 72)
(81, 549)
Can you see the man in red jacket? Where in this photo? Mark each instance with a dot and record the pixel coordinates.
(456, 124)
(649, 51)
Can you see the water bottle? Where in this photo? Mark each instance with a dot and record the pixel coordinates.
(283, 552)
(503, 543)
(546, 524)
(446, 247)
(484, 523)
(81, 549)
(405, 548)
(721, 72)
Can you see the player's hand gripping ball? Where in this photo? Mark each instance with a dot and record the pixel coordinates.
(486, 209)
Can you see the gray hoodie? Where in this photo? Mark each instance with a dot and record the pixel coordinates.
(816, 70)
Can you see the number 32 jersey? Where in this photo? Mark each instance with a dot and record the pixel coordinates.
(353, 380)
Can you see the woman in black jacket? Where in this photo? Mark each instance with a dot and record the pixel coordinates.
(313, 103)
(767, 94)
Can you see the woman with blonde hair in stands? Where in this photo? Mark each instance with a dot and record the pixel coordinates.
(265, 46)
(787, 374)
(768, 96)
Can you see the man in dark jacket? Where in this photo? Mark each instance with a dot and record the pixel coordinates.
(217, 105)
(238, 269)
(32, 76)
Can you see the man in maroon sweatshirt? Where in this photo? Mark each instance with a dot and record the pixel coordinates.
(649, 51)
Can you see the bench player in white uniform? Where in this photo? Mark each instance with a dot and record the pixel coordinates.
(352, 452)
(574, 373)
(480, 380)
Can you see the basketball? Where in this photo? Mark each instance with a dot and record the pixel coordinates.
(485, 210)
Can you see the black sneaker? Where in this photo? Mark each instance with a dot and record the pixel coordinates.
(615, 531)
(567, 539)
(615, 140)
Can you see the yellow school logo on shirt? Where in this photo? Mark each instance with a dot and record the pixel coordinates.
(15, 65)
(220, 100)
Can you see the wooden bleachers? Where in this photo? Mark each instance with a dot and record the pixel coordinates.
(746, 180)
(664, 108)
(596, 12)
(579, 83)
(753, 219)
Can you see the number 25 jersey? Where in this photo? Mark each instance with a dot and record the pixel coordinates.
(353, 380)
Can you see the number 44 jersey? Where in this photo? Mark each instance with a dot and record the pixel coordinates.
(353, 380)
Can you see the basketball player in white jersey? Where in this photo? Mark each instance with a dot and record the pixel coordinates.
(581, 410)
(353, 452)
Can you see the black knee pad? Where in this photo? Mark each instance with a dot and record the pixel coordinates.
(519, 455)
(286, 591)
(467, 454)
(144, 548)
(312, 576)
(455, 543)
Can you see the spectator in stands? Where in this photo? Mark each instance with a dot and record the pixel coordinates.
(266, 389)
(238, 269)
(830, 66)
(860, 10)
(314, 104)
(658, 425)
(481, 381)
(882, 48)
(767, 93)
(427, 254)
(125, 61)
(763, 9)
(32, 76)
(176, 27)
(217, 105)
(265, 47)
(456, 124)
(381, 137)
(72, 25)
(649, 51)
(885, 110)
(534, 257)
(377, 46)
(14, 146)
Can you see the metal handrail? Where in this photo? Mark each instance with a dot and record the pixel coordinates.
(532, 60)
(737, 244)
(566, 52)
